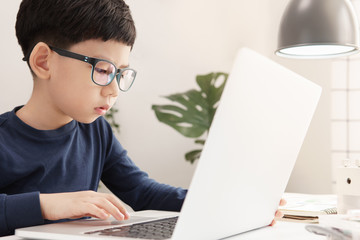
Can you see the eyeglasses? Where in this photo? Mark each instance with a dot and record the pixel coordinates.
(103, 72)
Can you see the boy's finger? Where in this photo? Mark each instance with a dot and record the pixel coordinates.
(92, 210)
(273, 223)
(109, 207)
(117, 203)
(279, 214)
(282, 202)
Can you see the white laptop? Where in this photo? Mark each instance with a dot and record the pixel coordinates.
(251, 149)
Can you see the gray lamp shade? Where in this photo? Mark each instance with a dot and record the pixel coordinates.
(318, 29)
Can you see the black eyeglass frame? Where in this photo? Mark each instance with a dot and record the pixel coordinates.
(93, 62)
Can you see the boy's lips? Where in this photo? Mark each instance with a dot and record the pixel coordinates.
(102, 110)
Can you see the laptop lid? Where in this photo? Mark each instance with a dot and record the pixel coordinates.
(251, 149)
(253, 143)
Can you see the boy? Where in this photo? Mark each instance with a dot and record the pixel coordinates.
(55, 149)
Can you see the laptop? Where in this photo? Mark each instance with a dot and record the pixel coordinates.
(256, 135)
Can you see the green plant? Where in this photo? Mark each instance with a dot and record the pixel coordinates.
(194, 110)
(111, 119)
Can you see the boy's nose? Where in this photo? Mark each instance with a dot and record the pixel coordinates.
(111, 90)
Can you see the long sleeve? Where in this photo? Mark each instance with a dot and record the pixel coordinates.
(135, 188)
(19, 210)
(69, 159)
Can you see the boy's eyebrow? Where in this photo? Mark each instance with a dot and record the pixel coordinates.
(114, 62)
(125, 66)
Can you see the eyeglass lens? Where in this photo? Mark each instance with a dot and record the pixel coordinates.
(127, 79)
(104, 72)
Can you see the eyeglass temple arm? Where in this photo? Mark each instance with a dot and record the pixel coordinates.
(65, 53)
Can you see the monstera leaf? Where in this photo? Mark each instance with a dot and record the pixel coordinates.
(194, 110)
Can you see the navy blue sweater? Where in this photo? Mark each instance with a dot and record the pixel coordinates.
(74, 157)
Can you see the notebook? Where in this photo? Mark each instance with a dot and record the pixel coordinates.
(308, 207)
(256, 135)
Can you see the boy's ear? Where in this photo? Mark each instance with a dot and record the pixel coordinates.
(39, 60)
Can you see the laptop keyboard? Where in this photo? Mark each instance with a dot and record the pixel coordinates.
(159, 229)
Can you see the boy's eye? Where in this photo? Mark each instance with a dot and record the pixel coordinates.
(102, 71)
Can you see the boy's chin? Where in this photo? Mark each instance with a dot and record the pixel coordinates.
(86, 120)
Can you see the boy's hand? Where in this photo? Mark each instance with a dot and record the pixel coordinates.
(278, 213)
(57, 206)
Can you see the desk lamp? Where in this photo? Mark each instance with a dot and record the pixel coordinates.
(318, 29)
(313, 29)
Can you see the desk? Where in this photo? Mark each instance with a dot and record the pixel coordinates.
(281, 231)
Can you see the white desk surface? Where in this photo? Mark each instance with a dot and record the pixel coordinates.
(281, 231)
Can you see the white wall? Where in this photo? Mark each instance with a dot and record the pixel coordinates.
(16, 82)
(178, 39)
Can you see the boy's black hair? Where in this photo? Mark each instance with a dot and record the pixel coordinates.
(62, 23)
